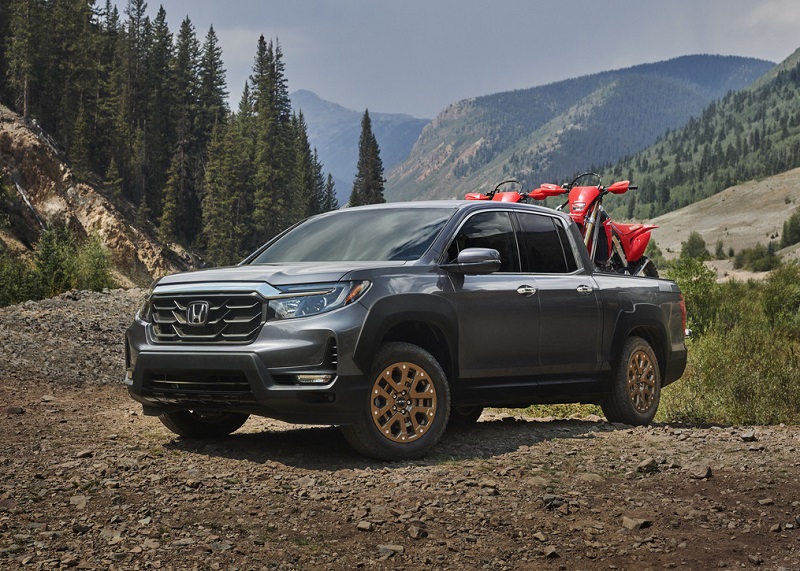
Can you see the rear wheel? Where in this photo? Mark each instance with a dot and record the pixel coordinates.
(636, 391)
(194, 424)
(645, 267)
(407, 408)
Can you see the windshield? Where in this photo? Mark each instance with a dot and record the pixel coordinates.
(390, 234)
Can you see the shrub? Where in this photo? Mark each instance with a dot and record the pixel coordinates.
(17, 279)
(791, 230)
(737, 376)
(655, 254)
(695, 247)
(700, 290)
(757, 259)
(53, 260)
(780, 300)
(745, 366)
(60, 262)
(92, 266)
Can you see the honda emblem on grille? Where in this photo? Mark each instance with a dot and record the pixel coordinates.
(197, 313)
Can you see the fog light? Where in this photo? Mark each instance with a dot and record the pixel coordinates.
(314, 379)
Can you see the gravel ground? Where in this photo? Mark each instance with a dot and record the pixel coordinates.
(87, 482)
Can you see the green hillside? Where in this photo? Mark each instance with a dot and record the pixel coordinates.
(747, 135)
(546, 133)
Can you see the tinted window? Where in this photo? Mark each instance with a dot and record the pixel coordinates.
(543, 247)
(488, 230)
(392, 234)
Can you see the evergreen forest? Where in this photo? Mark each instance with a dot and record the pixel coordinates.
(749, 134)
(140, 112)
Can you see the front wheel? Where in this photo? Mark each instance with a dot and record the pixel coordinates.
(636, 388)
(406, 411)
(194, 424)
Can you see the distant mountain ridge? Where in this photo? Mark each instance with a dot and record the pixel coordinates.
(547, 133)
(334, 131)
(747, 135)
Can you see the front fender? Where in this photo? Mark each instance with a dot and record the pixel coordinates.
(397, 310)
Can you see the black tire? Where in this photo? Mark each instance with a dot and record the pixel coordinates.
(407, 408)
(465, 415)
(192, 424)
(645, 267)
(636, 388)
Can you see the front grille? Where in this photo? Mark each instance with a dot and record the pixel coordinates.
(211, 318)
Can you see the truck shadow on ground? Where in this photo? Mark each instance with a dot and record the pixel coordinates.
(325, 448)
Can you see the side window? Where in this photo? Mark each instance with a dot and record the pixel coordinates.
(544, 245)
(488, 230)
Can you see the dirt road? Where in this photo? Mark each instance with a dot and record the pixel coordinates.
(87, 482)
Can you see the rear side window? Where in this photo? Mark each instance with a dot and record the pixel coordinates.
(488, 230)
(544, 245)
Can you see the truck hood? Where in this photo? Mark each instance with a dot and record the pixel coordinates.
(273, 274)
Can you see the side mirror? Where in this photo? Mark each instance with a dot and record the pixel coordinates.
(475, 261)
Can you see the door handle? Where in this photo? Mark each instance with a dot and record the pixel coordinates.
(526, 290)
(585, 289)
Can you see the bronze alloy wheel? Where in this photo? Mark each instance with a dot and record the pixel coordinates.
(403, 404)
(641, 381)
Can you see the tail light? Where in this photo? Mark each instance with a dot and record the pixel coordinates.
(686, 332)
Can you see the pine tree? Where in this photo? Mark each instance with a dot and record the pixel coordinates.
(22, 52)
(368, 186)
(80, 153)
(274, 142)
(303, 190)
(5, 33)
(113, 180)
(330, 202)
(181, 215)
(225, 199)
(318, 204)
(212, 91)
(159, 134)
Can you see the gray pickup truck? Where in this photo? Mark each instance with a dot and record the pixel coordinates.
(394, 320)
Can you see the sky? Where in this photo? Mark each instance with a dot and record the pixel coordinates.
(418, 56)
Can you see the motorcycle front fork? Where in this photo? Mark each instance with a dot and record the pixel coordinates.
(617, 248)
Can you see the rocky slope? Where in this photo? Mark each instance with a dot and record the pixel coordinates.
(87, 482)
(49, 190)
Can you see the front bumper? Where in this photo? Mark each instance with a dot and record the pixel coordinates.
(298, 370)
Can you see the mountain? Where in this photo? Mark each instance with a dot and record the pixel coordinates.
(740, 217)
(550, 132)
(746, 135)
(334, 131)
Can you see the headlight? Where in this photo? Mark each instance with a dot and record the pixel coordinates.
(306, 300)
(145, 312)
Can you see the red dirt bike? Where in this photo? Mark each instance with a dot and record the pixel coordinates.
(614, 247)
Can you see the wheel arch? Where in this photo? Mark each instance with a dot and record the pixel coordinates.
(422, 320)
(646, 322)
